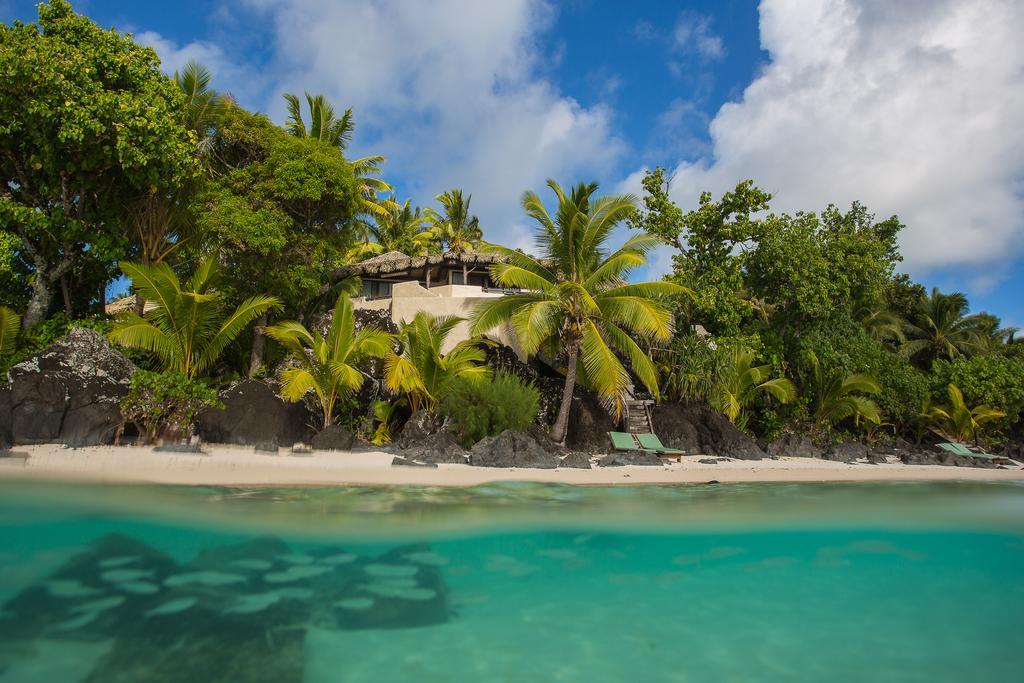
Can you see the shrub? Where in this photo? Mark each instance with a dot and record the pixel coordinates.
(162, 405)
(479, 409)
(995, 381)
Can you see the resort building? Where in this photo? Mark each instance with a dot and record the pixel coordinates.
(439, 284)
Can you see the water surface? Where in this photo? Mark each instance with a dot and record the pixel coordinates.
(512, 582)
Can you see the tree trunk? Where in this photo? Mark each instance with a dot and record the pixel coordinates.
(140, 304)
(259, 343)
(561, 427)
(465, 273)
(66, 292)
(39, 302)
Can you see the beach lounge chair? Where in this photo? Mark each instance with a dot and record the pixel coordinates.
(960, 449)
(624, 441)
(652, 442)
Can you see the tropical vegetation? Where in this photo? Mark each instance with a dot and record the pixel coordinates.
(227, 227)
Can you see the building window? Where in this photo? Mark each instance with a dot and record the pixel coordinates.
(456, 277)
(479, 280)
(376, 289)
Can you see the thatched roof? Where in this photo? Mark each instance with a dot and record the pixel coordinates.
(396, 262)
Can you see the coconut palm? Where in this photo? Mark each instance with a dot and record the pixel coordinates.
(739, 382)
(399, 228)
(992, 336)
(204, 107)
(187, 328)
(10, 323)
(958, 420)
(836, 396)
(575, 302)
(454, 228)
(420, 372)
(883, 325)
(327, 366)
(941, 329)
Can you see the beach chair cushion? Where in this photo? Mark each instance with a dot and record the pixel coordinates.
(624, 441)
(652, 442)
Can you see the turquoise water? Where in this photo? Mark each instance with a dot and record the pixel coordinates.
(769, 582)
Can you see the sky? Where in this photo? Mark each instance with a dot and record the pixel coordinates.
(914, 107)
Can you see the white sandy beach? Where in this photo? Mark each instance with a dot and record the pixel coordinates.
(241, 466)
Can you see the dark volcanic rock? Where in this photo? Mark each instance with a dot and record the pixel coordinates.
(926, 457)
(576, 460)
(418, 427)
(253, 414)
(589, 424)
(794, 446)
(620, 458)
(708, 461)
(6, 441)
(697, 429)
(439, 448)
(848, 451)
(512, 449)
(334, 438)
(70, 392)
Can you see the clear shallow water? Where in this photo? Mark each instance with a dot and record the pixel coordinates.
(512, 582)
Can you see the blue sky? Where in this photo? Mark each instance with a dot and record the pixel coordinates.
(912, 107)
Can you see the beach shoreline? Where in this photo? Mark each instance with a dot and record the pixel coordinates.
(240, 466)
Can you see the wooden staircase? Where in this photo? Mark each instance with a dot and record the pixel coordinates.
(637, 417)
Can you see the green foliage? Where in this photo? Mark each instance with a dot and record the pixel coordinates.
(478, 409)
(327, 366)
(575, 300)
(162, 405)
(739, 382)
(87, 123)
(940, 328)
(957, 419)
(10, 324)
(187, 329)
(277, 208)
(837, 396)
(398, 227)
(385, 414)
(454, 227)
(420, 372)
(996, 381)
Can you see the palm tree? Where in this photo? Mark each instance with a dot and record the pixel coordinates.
(454, 227)
(10, 323)
(575, 300)
(883, 325)
(327, 366)
(186, 328)
(941, 329)
(957, 419)
(836, 396)
(420, 371)
(160, 220)
(399, 228)
(739, 382)
(338, 132)
(992, 337)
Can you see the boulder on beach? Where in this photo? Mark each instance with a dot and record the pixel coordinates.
(439, 448)
(794, 446)
(697, 429)
(70, 392)
(589, 424)
(253, 414)
(623, 458)
(334, 438)
(514, 448)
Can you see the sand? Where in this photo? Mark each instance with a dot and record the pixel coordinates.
(241, 466)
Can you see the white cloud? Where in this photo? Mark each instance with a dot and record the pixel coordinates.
(228, 75)
(914, 108)
(452, 92)
(693, 33)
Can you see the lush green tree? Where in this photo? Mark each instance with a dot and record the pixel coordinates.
(87, 123)
(328, 366)
(575, 303)
(187, 328)
(993, 337)
(420, 372)
(957, 419)
(739, 382)
(940, 328)
(163, 405)
(277, 212)
(707, 240)
(811, 268)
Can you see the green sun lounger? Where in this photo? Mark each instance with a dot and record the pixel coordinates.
(652, 442)
(960, 449)
(624, 441)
